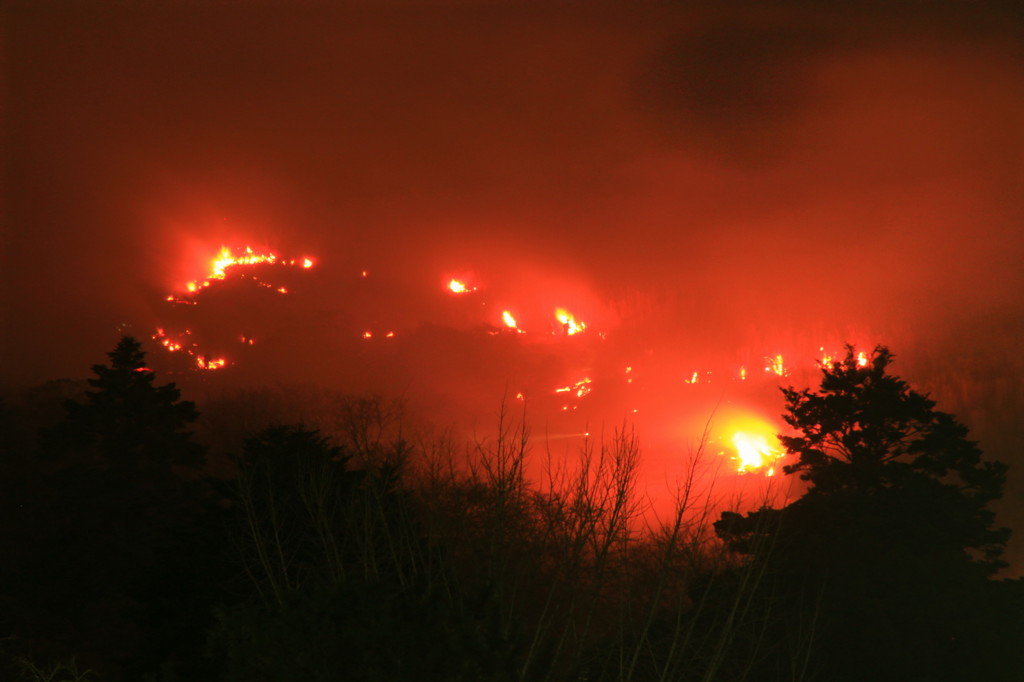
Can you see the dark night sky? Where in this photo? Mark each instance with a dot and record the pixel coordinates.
(745, 173)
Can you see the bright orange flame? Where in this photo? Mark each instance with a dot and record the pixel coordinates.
(755, 447)
(581, 388)
(568, 322)
(226, 259)
(459, 287)
(215, 363)
(509, 321)
(754, 452)
(862, 359)
(219, 266)
(367, 334)
(776, 365)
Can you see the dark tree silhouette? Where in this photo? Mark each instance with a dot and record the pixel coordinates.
(341, 569)
(120, 547)
(866, 433)
(881, 569)
(127, 422)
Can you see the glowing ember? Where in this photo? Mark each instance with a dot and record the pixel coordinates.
(862, 359)
(367, 334)
(568, 322)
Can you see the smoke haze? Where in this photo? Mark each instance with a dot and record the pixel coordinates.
(703, 187)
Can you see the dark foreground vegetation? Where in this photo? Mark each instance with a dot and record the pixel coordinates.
(368, 558)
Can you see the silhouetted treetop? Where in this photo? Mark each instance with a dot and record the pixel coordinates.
(877, 453)
(886, 558)
(127, 421)
(865, 429)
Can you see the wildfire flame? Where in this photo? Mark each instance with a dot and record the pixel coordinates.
(510, 321)
(220, 266)
(215, 363)
(580, 389)
(776, 366)
(459, 287)
(827, 358)
(226, 259)
(568, 322)
(753, 452)
(753, 443)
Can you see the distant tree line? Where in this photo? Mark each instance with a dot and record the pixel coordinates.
(369, 557)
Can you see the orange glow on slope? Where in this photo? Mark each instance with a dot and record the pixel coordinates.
(568, 322)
